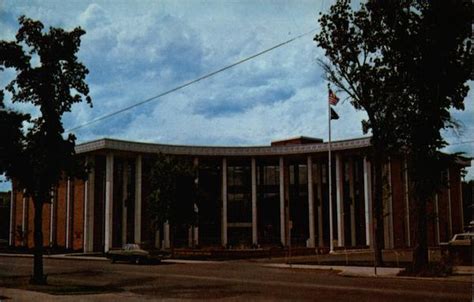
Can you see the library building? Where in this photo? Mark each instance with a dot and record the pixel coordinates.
(258, 196)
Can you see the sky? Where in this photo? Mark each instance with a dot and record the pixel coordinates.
(138, 49)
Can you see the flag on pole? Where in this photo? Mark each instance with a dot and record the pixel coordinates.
(334, 115)
(333, 99)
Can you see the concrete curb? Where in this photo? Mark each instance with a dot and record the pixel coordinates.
(182, 261)
(98, 258)
(58, 256)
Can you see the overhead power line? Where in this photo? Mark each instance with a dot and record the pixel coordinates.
(106, 116)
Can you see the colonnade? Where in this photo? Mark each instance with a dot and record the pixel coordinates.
(315, 213)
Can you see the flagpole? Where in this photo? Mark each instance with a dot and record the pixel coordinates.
(331, 231)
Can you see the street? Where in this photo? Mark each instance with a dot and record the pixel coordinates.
(230, 280)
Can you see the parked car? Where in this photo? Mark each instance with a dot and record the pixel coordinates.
(461, 239)
(459, 248)
(136, 253)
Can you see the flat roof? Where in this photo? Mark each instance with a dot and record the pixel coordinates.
(142, 147)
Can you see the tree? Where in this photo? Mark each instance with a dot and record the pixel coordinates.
(406, 64)
(173, 193)
(354, 47)
(433, 57)
(49, 76)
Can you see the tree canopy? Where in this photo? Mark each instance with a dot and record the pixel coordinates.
(406, 64)
(173, 191)
(50, 77)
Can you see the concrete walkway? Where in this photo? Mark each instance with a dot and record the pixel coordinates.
(463, 270)
(57, 256)
(20, 295)
(345, 270)
(102, 258)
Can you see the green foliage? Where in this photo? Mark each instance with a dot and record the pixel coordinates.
(406, 64)
(355, 44)
(173, 191)
(38, 157)
(50, 77)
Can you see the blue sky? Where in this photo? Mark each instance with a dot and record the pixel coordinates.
(138, 49)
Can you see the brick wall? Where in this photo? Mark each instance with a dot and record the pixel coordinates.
(77, 208)
(455, 187)
(77, 203)
(398, 197)
(443, 214)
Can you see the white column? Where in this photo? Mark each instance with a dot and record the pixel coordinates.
(311, 241)
(196, 235)
(166, 235)
(368, 201)
(450, 218)
(109, 199)
(461, 202)
(89, 209)
(138, 200)
(352, 206)
(68, 214)
(282, 201)
(339, 202)
(407, 204)
(254, 201)
(24, 220)
(224, 203)
(124, 202)
(319, 188)
(437, 218)
(52, 224)
(11, 235)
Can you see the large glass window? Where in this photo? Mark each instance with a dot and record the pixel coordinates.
(268, 203)
(209, 202)
(239, 202)
(299, 203)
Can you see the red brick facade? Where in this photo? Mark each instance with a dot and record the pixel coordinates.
(59, 218)
(64, 226)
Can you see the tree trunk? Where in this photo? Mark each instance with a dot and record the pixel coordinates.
(420, 254)
(38, 276)
(377, 206)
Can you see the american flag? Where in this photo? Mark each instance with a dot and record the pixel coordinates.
(333, 99)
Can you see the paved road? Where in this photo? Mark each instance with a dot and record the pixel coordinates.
(232, 281)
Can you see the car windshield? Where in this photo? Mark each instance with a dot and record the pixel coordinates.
(131, 247)
(463, 237)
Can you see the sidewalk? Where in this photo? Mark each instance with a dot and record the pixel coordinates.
(57, 256)
(21, 295)
(464, 270)
(102, 258)
(461, 273)
(355, 271)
